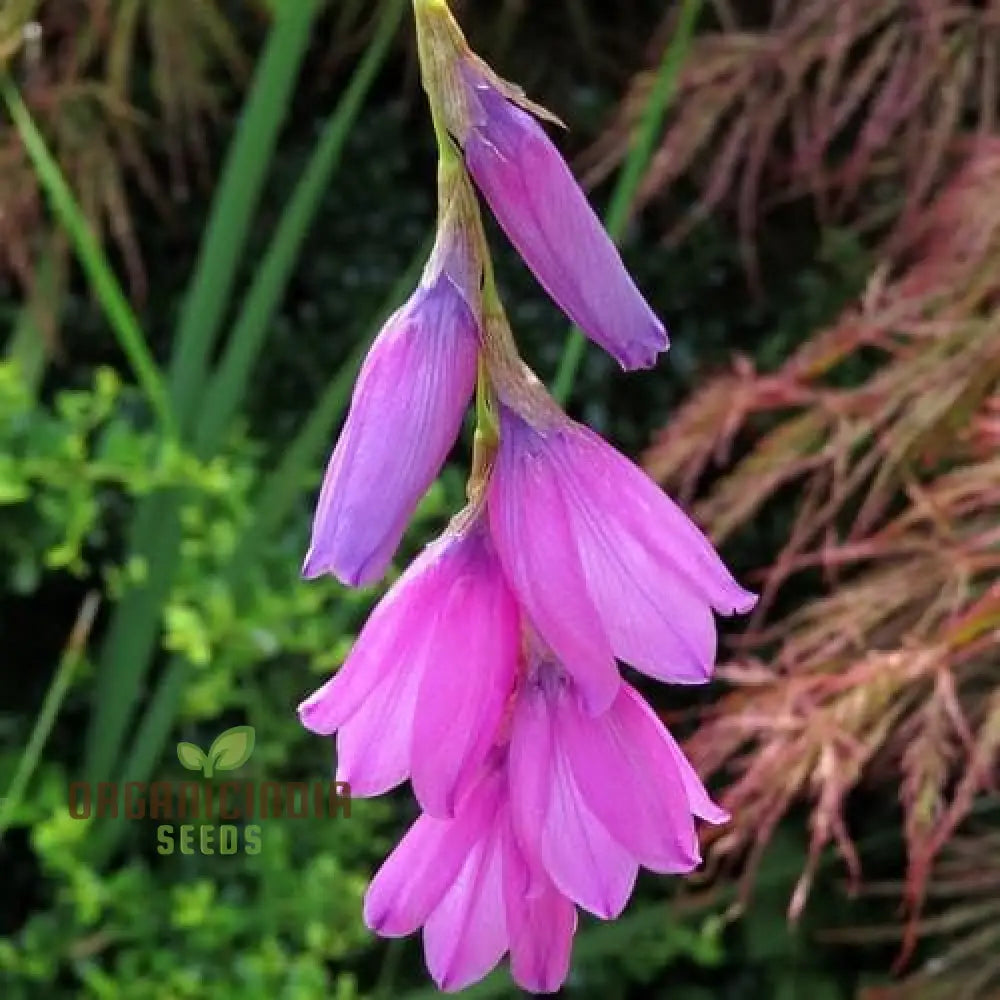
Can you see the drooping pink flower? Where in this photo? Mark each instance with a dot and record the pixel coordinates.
(405, 415)
(466, 882)
(541, 208)
(422, 693)
(604, 562)
(593, 799)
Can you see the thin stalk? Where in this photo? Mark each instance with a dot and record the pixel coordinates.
(124, 324)
(155, 533)
(247, 161)
(634, 170)
(229, 382)
(58, 689)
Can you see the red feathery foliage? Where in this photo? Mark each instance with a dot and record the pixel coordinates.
(891, 673)
(832, 99)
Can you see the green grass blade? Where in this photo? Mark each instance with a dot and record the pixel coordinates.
(229, 383)
(124, 324)
(155, 536)
(633, 171)
(130, 642)
(242, 179)
(26, 347)
(279, 494)
(54, 696)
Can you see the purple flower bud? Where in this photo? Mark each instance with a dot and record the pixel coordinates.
(540, 206)
(424, 689)
(405, 415)
(604, 563)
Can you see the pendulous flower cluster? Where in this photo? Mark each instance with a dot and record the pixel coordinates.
(488, 675)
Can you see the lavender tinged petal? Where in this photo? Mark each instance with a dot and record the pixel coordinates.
(583, 859)
(373, 747)
(532, 531)
(530, 779)
(466, 935)
(540, 206)
(576, 851)
(464, 692)
(614, 483)
(405, 414)
(386, 643)
(540, 928)
(651, 615)
(415, 877)
(589, 563)
(629, 777)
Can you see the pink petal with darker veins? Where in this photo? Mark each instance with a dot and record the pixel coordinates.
(466, 686)
(540, 927)
(421, 870)
(531, 526)
(628, 774)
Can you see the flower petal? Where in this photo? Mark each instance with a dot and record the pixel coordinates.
(471, 669)
(415, 877)
(551, 820)
(540, 927)
(584, 861)
(393, 632)
(466, 935)
(655, 621)
(374, 745)
(543, 211)
(405, 414)
(699, 800)
(628, 775)
(531, 527)
(650, 516)
(530, 776)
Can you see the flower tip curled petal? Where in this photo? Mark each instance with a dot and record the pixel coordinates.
(547, 217)
(389, 638)
(414, 879)
(700, 802)
(652, 574)
(405, 415)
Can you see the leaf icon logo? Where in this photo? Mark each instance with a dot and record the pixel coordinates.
(230, 750)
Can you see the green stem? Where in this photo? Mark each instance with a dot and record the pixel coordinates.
(485, 420)
(633, 171)
(240, 186)
(229, 382)
(155, 533)
(124, 324)
(58, 689)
